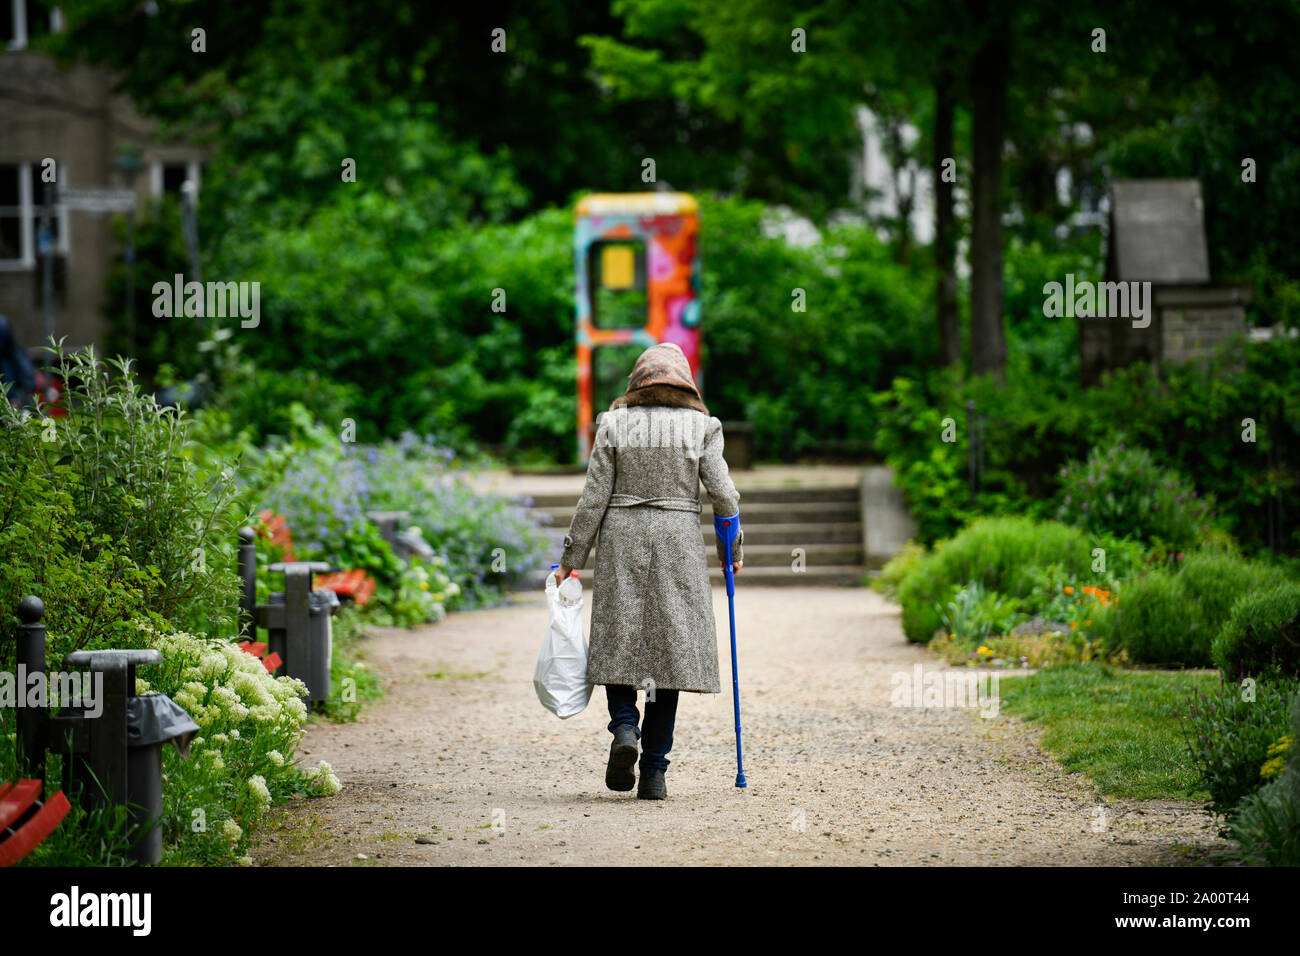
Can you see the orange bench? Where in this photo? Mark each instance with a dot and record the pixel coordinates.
(355, 585)
(25, 819)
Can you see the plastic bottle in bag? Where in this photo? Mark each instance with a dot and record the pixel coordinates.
(571, 591)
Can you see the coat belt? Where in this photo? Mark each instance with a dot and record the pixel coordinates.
(665, 502)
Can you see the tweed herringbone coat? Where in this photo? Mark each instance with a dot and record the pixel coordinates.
(652, 622)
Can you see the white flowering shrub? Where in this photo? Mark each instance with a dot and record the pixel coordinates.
(322, 780)
(242, 761)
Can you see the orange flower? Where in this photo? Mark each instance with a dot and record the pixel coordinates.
(1068, 589)
(1073, 625)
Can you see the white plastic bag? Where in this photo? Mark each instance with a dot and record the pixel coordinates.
(560, 678)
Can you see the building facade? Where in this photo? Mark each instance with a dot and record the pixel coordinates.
(72, 118)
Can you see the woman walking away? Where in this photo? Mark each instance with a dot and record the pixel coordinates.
(652, 624)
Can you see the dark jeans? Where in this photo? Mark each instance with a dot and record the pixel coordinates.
(660, 716)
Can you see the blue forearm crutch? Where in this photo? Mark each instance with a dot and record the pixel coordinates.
(727, 529)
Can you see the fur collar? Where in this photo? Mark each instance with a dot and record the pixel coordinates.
(669, 395)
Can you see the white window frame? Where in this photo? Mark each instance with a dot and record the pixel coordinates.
(193, 172)
(27, 204)
(19, 40)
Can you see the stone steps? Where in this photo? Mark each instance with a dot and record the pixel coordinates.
(796, 535)
(749, 497)
(781, 555)
(751, 514)
(820, 523)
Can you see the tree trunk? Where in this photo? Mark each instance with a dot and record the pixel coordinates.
(899, 165)
(989, 99)
(945, 238)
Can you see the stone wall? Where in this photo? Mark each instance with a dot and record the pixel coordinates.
(1188, 323)
(1194, 322)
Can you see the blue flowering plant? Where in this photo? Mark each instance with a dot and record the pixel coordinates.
(325, 488)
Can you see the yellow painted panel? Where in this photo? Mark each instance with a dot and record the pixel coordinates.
(617, 266)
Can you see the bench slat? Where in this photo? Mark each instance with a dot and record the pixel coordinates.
(35, 830)
(16, 801)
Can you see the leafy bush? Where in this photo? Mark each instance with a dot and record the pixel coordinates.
(420, 269)
(805, 379)
(126, 531)
(107, 517)
(897, 569)
(262, 399)
(1190, 417)
(1261, 635)
(1266, 825)
(1171, 615)
(974, 613)
(1229, 735)
(1000, 554)
(931, 472)
(1155, 619)
(1123, 492)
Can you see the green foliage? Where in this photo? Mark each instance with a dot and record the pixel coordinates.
(131, 479)
(106, 517)
(1261, 635)
(109, 516)
(974, 613)
(1000, 554)
(1172, 614)
(1122, 491)
(1189, 417)
(931, 470)
(92, 589)
(259, 401)
(352, 682)
(897, 569)
(1266, 824)
(805, 379)
(1042, 349)
(1229, 734)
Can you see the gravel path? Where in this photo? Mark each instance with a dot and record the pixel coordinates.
(461, 756)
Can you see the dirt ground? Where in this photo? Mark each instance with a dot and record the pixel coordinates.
(460, 765)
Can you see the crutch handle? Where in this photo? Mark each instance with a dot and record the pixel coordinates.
(727, 528)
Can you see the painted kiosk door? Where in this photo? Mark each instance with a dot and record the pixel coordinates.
(638, 271)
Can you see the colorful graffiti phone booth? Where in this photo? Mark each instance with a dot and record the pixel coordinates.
(638, 284)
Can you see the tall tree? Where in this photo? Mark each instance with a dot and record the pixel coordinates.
(988, 79)
(945, 227)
